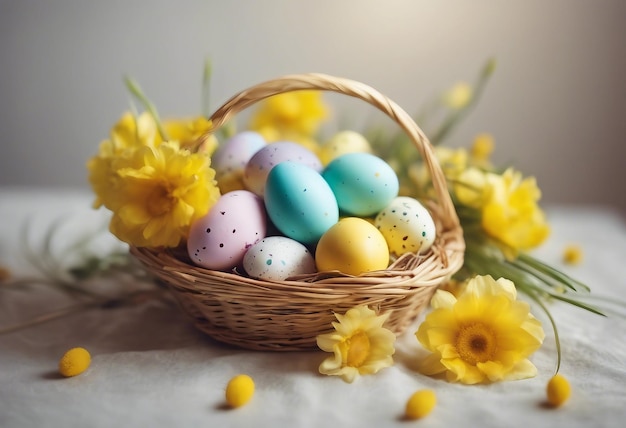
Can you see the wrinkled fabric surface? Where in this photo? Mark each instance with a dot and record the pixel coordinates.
(150, 367)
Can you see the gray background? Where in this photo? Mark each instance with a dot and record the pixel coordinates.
(555, 105)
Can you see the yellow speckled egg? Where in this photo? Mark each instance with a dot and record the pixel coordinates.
(341, 143)
(353, 246)
(406, 225)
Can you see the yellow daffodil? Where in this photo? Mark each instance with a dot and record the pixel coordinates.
(160, 191)
(294, 116)
(360, 344)
(511, 212)
(484, 335)
(458, 96)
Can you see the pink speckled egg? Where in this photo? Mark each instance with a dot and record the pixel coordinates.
(230, 159)
(264, 160)
(219, 240)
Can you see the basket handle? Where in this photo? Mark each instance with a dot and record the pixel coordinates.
(317, 81)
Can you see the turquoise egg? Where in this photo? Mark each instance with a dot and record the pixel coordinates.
(363, 183)
(300, 202)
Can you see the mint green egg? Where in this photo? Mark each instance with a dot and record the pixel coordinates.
(363, 183)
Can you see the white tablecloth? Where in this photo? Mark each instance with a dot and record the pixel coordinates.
(151, 368)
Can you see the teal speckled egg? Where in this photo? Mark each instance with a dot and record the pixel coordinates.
(363, 183)
(299, 202)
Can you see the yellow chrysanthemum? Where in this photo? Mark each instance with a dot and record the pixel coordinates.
(154, 188)
(289, 116)
(484, 335)
(160, 191)
(511, 212)
(188, 131)
(128, 134)
(360, 344)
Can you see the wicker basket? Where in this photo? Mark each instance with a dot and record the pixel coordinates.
(288, 315)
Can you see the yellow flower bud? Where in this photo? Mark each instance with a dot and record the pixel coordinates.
(558, 390)
(74, 362)
(572, 254)
(420, 404)
(458, 96)
(239, 390)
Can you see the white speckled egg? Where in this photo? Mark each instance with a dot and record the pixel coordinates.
(220, 239)
(263, 161)
(277, 258)
(406, 225)
(230, 159)
(341, 143)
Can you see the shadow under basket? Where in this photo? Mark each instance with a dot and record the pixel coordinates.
(289, 315)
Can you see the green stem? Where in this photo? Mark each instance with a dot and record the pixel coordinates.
(134, 89)
(557, 341)
(206, 88)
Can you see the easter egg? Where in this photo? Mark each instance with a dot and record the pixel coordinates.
(264, 160)
(219, 239)
(277, 258)
(406, 225)
(299, 202)
(230, 159)
(353, 246)
(362, 183)
(341, 143)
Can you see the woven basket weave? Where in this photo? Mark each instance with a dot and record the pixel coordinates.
(288, 315)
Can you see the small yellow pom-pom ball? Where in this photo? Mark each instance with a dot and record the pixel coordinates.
(558, 390)
(420, 404)
(74, 362)
(239, 390)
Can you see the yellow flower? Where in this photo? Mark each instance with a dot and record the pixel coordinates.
(160, 191)
(290, 116)
(470, 187)
(484, 335)
(458, 96)
(360, 344)
(482, 148)
(511, 213)
(188, 131)
(128, 134)
(453, 162)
